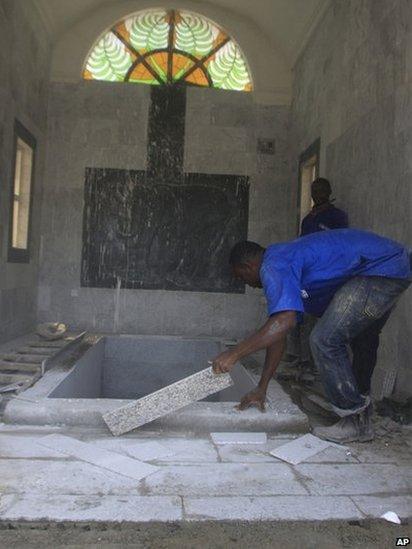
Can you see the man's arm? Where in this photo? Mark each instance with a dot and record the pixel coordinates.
(271, 334)
(258, 396)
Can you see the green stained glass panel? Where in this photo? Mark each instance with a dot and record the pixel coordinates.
(168, 47)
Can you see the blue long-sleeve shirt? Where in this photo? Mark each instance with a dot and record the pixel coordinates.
(303, 275)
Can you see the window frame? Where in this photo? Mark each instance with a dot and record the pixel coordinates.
(20, 255)
(312, 151)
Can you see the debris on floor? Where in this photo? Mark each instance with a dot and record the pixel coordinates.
(112, 461)
(300, 449)
(239, 438)
(173, 397)
(390, 516)
(51, 331)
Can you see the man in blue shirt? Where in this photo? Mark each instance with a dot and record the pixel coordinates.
(351, 279)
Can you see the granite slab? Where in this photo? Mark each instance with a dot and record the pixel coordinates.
(300, 449)
(173, 397)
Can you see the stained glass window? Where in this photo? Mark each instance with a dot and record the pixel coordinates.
(168, 47)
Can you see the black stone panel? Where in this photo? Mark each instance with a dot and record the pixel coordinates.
(166, 133)
(164, 236)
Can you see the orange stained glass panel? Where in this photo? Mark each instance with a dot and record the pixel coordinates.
(219, 38)
(122, 30)
(181, 64)
(141, 73)
(197, 77)
(159, 62)
(87, 75)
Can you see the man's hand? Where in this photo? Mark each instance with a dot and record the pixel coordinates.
(256, 397)
(224, 362)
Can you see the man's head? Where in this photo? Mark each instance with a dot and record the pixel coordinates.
(245, 260)
(321, 191)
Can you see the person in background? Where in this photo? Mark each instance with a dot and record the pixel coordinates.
(322, 217)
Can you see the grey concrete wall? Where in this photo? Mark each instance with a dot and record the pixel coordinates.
(24, 68)
(352, 88)
(99, 124)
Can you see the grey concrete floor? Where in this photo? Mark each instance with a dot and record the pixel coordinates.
(200, 481)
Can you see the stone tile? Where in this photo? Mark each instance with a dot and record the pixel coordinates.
(61, 477)
(333, 454)
(239, 438)
(261, 454)
(189, 450)
(179, 449)
(137, 449)
(347, 479)
(111, 461)
(224, 478)
(166, 400)
(270, 508)
(6, 500)
(251, 453)
(375, 506)
(13, 446)
(300, 449)
(94, 507)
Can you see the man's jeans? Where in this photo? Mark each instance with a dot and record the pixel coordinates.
(355, 318)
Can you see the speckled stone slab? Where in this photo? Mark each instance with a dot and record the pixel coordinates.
(166, 400)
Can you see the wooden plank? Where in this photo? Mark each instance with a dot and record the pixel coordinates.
(13, 378)
(44, 351)
(24, 359)
(13, 366)
(48, 344)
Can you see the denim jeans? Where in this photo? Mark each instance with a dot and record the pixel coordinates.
(354, 318)
(298, 339)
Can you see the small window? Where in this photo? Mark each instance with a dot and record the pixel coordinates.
(21, 194)
(308, 172)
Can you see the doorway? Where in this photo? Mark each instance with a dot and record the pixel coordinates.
(308, 172)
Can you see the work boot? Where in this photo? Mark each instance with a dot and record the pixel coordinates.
(354, 428)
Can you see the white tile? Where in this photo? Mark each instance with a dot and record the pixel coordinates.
(90, 453)
(189, 450)
(215, 479)
(270, 508)
(94, 508)
(179, 449)
(61, 477)
(13, 446)
(239, 438)
(147, 451)
(298, 450)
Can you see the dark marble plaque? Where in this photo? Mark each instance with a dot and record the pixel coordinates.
(163, 236)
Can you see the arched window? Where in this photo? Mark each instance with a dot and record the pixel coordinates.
(168, 47)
